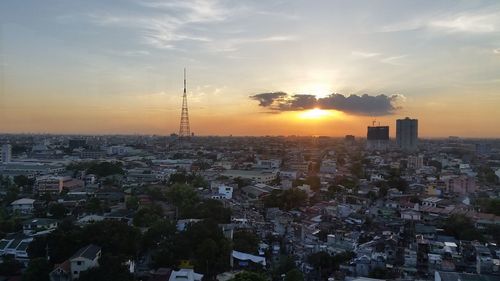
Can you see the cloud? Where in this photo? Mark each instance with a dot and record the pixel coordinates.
(364, 54)
(471, 23)
(267, 99)
(354, 104)
(465, 22)
(167, 24)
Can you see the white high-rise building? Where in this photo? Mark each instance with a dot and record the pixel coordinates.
(407, 134)
(6, 152)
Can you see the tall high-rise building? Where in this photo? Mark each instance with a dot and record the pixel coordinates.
(6, 152)
(407, 134)
(377, 138)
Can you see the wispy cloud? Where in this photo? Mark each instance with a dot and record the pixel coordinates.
(364, 54)
(380, 57)
(464, 22)
(472, 23)
(394, 60)
(172, 22)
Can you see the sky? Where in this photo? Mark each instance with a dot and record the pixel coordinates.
(267, 67)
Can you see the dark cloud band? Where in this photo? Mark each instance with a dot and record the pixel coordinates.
(353, 104)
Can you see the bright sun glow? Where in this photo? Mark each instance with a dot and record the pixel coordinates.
(320, 90)
(315, 113)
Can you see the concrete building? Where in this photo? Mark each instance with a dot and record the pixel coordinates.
(377, 138)
(6, 152)
(407, 134)
(223, 192)
(415, 162)
(56, 184)
(258, 176)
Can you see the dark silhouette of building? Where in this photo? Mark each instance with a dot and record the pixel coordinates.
(377, 137)
(407, 134)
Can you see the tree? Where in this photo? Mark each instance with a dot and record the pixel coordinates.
(287, 199)
(111, 268)
(326, 264)
(104, 169)
(132, 203)
(184, 197)
(205, 244)
(314, 182)
(248, 276)
(23, 181)
(9, 266)
(93, 206)
(294, 275)
(462, 228)
(213, 209)
(246, 241)
(58, 211)
(146, 217)
(38, 270)
(114, 237)
(379, 273)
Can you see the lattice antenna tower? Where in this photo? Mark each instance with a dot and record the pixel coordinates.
(184, 131)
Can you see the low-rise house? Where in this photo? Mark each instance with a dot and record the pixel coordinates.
(36, 225)
(24, 206)
(16, 245)
(83, 260)
(185, 274)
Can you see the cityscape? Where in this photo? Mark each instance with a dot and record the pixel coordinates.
(190, 140)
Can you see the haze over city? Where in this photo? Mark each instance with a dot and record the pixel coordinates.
(253, 67)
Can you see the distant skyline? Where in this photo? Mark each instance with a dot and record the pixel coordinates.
(253, 67)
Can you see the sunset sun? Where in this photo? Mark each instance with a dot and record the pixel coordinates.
(316, 113)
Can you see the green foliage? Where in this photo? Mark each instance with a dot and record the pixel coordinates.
(38, 270)
(104, 169)
(162, 234)
(248, 276)
(487, 175)
(488, 205)
(94, 206)
(9, 223)
(212, 209)
(326, 263)
(294, 275)
(286, 200)
(184, 197)
(184, 178)
(208, 247)
(357, 169)
(114, 237)
(394, 180)
(58, 211)
(110, 268)
(462, 228)
(203, 243)
(246, 241)
(9, 266)
(379, 273)
(313, 181)
(23, 181)
(101, 169)
(132, 203)
(146, 217)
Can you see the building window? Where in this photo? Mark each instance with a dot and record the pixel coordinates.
(79, 263)
(75, 272)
